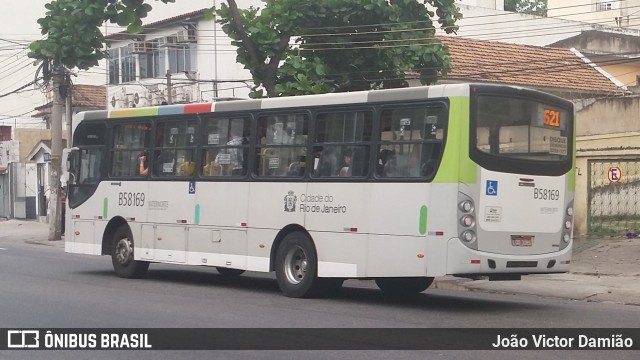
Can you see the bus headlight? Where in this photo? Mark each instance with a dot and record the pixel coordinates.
(567, 224)
(566, 238)
(468, 236)
(570, 211)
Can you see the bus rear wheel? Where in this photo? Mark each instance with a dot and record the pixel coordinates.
(297, 267)
(229, 271)
(122, 255)
(404, 286)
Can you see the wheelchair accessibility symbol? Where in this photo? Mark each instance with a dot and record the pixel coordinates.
(192, 187)
(492, 188)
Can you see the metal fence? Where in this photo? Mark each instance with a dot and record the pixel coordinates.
(614, 196)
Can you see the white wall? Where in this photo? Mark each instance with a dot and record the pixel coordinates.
(484, 23)
(215, 61)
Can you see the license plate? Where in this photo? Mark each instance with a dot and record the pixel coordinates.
(521, 240)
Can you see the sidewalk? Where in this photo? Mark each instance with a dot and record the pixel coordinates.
(603, 269)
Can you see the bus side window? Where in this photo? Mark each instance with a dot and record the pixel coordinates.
(282, 150)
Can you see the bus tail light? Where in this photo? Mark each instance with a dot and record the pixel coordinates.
(565, 234)
(467, 221)
(468, 236)
(467, 218)
(466, 206)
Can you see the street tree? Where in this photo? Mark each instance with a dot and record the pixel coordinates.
(531, 7)
(294, 47)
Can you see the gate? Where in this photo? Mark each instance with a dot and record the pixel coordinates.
(613, 196)
(24, 190)
(5, 200)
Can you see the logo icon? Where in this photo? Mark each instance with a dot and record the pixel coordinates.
(492, 188)
(21, 339)
(192, 187)
(290, 202)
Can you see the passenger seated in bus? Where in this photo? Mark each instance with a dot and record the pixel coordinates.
(234, 156)
(344, 171)
(187, 168)
(212, 169)
(165, 164)
(296, 168)
(383, 158)
(328, 163)
(143, 161)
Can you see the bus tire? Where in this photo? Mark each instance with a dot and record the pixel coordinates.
(404, 286)
(296, 267)
(122, 255)
(229, 271)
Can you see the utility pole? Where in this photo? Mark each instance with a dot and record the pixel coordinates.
(169, 99)
(56, 152)
(69, 107)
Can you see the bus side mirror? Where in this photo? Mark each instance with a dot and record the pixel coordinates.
(69, 163)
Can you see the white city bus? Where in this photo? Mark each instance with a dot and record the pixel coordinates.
(399, 186)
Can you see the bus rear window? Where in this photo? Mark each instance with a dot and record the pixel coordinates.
(522, 129)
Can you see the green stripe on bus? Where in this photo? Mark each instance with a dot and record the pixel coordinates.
(456, 166)
(571, 176)
(105, 208)
(197, 215)
(423, 220)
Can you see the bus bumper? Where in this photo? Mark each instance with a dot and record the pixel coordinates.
(465, 262)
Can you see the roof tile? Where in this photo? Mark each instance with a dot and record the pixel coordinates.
(526, 65)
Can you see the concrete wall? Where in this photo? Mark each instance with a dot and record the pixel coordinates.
(609, 116)
(485, 23)
(588, 11)
(28, 139)
(606, 129)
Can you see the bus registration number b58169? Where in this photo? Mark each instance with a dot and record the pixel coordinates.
(546, 194)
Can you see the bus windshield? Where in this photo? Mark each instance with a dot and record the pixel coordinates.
(521, 130)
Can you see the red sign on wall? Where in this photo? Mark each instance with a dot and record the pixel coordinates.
(614, 174)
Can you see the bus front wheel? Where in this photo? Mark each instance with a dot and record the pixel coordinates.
(122, 255)
(404, 286)
(297, 266)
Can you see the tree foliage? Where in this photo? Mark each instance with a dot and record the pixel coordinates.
(531, 7)
(338, 45)
(73, 31)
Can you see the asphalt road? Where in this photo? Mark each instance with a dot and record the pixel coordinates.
(42, 287)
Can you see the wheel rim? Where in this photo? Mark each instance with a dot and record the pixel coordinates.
(124, 251)
(295, 265)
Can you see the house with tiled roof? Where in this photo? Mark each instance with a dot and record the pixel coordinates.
(83, 98)
(564, 72)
